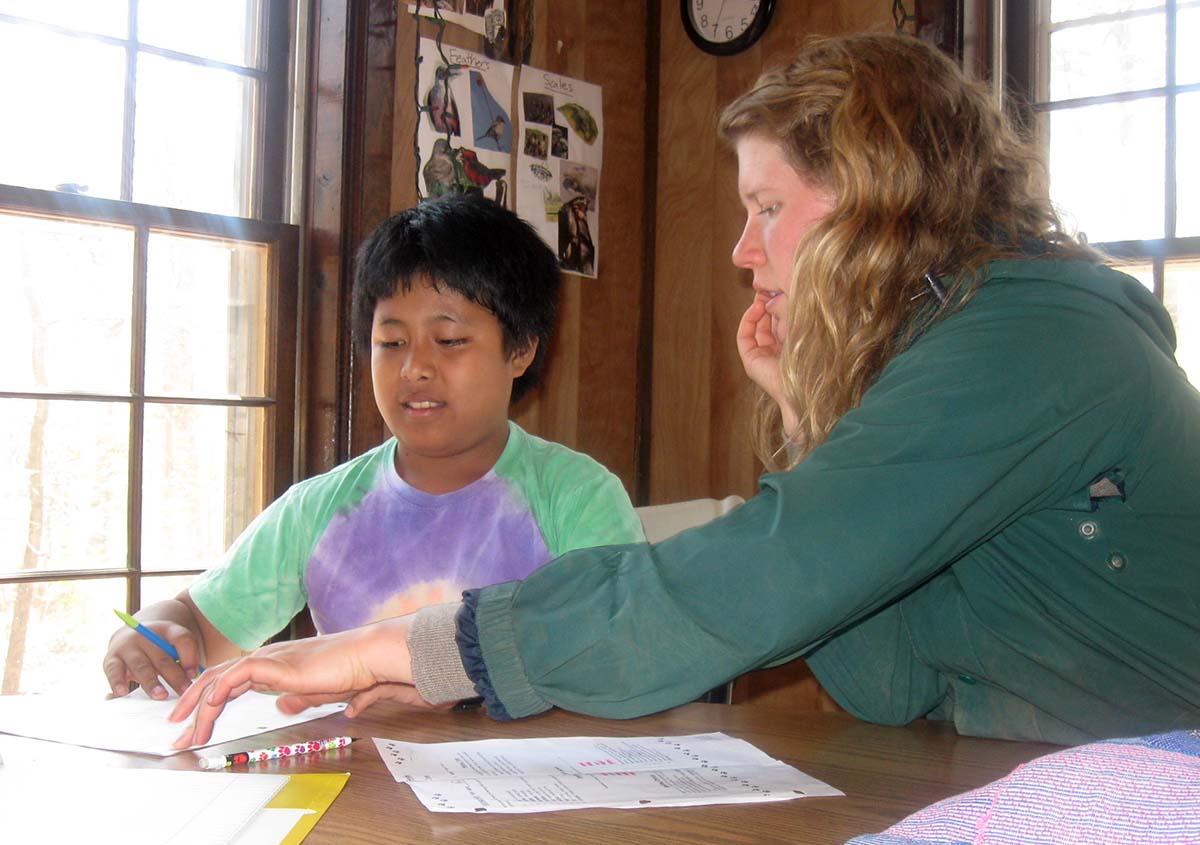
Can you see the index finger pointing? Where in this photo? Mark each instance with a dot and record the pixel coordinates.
(191, 696)
(207, 706)
(210, 692)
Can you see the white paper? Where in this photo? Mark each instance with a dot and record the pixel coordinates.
(465, 130)
(119, 806)
(137, 722)
(560, 143)
(536, 775)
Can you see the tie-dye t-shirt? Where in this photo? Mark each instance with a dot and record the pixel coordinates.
(358, 544)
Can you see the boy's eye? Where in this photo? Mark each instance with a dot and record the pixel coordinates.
(390, 344)
(452, 341)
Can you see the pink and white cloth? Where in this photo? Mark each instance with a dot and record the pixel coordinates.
(1144, 790)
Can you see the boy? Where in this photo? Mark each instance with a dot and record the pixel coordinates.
(456, 300)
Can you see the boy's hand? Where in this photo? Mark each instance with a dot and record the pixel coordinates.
(334, 667)
(133, 658)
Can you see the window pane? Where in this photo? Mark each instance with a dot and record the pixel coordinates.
(194, 138)
(65, 324)
(1181, 295)
(63, 500)
(224, 30)
(156, 588)
(66, 128)
(57, 634)
(1144, 273)
(1106, 169)
(1102, 58)
(203, 482)
(1072, 10)
(1187, 165)
(1187, 36)
(103, 17)
(205, 317)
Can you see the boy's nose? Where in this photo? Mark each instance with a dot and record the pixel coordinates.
(416, 366)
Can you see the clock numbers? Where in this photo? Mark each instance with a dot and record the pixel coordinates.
(723, 20)
(725, 27)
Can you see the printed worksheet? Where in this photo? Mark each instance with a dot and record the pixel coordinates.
(137, 722)
(571, 773)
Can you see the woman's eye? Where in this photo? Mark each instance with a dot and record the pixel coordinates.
(769, 210)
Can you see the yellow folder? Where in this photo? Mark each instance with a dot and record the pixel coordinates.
(308, 792)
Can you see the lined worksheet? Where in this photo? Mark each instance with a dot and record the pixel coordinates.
(119, 806)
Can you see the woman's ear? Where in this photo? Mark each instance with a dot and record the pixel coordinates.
(522, 357)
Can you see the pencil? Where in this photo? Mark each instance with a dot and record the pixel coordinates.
(260, 755)
(151, 636)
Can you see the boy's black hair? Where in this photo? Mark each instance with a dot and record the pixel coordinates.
(476, 248)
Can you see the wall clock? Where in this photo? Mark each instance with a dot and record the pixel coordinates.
(725, 27)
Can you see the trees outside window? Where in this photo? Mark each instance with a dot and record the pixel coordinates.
(148, 319)
(1115, 97)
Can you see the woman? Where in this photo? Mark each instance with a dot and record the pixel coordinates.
(985, 497)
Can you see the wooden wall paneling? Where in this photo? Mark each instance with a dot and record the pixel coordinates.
(528, 413)
(322, 363)
(370, 204)
(404, 117)
(681, 384)
(609, 354)
(350, 151)
(560, 45)
(589, 396)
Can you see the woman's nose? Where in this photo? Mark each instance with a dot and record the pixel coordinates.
(747, 252)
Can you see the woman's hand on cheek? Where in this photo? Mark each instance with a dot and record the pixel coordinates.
(759, 349)
(760, 352)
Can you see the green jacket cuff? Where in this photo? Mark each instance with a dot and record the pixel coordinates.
(498, 644)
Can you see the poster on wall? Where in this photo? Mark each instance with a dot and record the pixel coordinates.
(485, 17)
(465, 132)
(560, 143)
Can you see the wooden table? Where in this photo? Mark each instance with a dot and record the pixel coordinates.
(886, 774)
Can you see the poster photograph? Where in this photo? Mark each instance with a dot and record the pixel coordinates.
(559, 154)
(465, 131)
(480, 16)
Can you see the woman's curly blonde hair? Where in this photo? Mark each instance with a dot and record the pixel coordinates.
(929, 177)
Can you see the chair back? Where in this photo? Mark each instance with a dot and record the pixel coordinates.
(663, 521)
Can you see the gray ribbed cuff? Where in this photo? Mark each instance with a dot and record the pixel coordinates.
(437, 668)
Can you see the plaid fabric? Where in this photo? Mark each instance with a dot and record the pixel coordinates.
(1143, 790)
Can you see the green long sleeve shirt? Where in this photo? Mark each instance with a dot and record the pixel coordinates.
(942, 553)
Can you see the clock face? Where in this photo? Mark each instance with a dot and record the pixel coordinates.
(725, 26)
